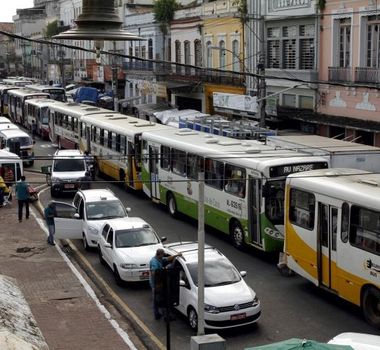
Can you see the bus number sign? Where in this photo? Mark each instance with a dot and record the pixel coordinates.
(285, 170)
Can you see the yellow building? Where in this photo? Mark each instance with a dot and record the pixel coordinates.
(223, 38)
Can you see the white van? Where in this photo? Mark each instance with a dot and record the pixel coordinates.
(26, 143)
(11, 167)
(358, 341)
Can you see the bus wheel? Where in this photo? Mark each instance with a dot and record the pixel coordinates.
(371, 306)
(172, 205)
(237, 234)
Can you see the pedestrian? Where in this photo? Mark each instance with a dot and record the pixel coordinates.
(49, 213)
(158, 263)
(4, 191)
(22, 196)
(34, 129)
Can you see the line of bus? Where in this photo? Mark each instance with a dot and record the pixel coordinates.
(17, 100)
(17, 82)
(332, 234)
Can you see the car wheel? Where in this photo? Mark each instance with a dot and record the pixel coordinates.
(192, 317)
(85, 243)
(116, 274)
(237, 235)
(172, 205)
(101, 259)
(371, 306)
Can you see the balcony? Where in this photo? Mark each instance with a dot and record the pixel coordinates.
(367, 75)
(173, 72)
(341, 74)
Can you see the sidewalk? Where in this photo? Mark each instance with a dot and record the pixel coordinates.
(62, 307)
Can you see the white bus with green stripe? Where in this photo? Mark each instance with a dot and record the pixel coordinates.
(244, 182)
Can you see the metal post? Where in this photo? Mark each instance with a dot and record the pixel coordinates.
(168, 307)
(114, 80)
(261, 72)
(201, 253)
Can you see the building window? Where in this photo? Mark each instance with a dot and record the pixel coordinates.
(373, 42)
(150, 49)
(289, 100)
(178, 55)
(235, 56)
(198, 53)
(209, 54)
(222, 54)
(306, 102)
(291, 47)
(344, 42)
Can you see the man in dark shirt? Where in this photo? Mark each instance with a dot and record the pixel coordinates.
(49, 217)
(22, 195)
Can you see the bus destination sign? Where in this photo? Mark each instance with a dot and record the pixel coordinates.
(285, 170)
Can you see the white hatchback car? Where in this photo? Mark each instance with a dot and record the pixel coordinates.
(229, 301)
(89, 210)
(127, 245)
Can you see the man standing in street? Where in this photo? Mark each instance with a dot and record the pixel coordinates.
(158, 263)
(22, 196)
(49, 217)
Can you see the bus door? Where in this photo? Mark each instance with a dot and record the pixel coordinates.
(254, 210)
(327, 241)
(154, 153)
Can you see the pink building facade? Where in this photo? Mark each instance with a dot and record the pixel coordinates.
(349, 104)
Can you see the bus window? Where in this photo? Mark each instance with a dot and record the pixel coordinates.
(214, 172)
(365, 229)
(235, 180)
(178, 162)
(123, 145)
(101, 137)
(345, 222)
(195, 164)
(302, 208)
(117, 144)
(109, 140)
(274, 201)
(75, 125)
(165, 158)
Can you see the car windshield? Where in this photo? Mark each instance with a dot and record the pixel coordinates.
(24, 141)
(217, 273)
(69, 165)
(105, 210)
(136, 237)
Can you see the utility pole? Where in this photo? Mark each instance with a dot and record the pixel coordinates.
(114, 79)
(261, 84)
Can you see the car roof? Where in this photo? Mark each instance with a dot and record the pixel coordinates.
(358, 341)
(189, 251)
(127, 223)
(95, 195)
(69, 152)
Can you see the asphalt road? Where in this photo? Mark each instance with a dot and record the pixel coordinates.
(291, 306)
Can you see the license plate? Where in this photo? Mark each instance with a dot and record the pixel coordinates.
(144, 274)
(238, 316)
(70, 186)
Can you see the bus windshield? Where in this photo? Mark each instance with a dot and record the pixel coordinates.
(57, 95)
(274, 201)
(44, 116)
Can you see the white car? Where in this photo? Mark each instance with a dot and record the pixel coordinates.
(358, 341)
(127, 246)
(90, 209)
(68, 172)
(229, 301)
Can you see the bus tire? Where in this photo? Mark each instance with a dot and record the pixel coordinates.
(371, 306)
(237, 234)
(172, 205)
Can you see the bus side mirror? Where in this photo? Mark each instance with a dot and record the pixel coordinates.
(46, 170)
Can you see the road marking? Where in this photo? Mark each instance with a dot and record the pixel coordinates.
(113, 294)
(46, 145)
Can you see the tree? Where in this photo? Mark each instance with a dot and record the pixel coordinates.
(164, 13)
(242, 9)
(52, 29)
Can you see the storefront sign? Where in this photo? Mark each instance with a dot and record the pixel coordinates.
(244, 103)
(281, 5)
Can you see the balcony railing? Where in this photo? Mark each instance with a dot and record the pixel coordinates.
(367, 75)
(177, 72)
(340, 74)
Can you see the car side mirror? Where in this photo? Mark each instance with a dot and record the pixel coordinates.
(34, 142)
(243, 273)
(108, 245)
(128, 209)
(182, 283)
(76, 216)
(163, 239)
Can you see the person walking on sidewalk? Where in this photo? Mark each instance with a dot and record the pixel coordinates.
(22, 196)
(49, 217)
